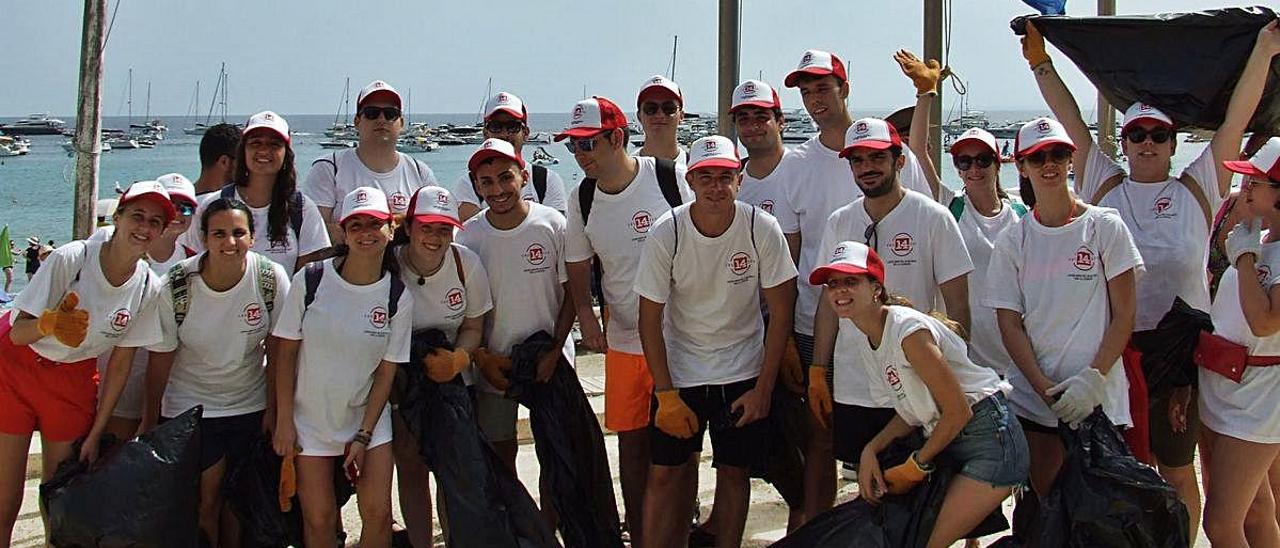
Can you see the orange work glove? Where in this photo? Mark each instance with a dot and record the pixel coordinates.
(66, 323)
(674, 417)
(924, 74)
(903, 477)
(443, 365)
(820, 394)
(790, 369)
(1033, 46)
(494, 367)
(288, 483)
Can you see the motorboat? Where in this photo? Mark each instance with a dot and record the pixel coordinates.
(539, 137)
(35, 124)
(543, 158)
(12, 147)
(338, 143)
(416, 144)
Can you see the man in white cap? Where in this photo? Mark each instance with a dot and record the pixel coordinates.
(704, 269)
(924, 257)
(609, 218)
(660, 109)
(373, 162)
(521, 245)
(758, 119)
(507, 118)
(1170, 218)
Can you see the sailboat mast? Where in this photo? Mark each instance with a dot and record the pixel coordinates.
(214, 102)
(130, 100)
(148, 116)
(675, 43)
(225, 78)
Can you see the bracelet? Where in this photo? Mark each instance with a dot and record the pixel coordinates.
(924, 467)
(362, 437)
(930, 93)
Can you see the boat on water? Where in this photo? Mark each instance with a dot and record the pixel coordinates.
(967, 120)
(539, 137)
(219, 89)
(416, 144)
(35, 124)
(70, 147)
(543, 158)
(12, 146)
(338, 143)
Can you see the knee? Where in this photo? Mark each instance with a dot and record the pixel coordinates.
(1220, 527)
(666, 477)
(1262, 513)
(735, 474)
(320, 519)
(376, 513)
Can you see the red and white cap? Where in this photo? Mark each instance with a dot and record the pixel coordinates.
(1143, 111)
(872, 133)
(754, 93)
(178, 186)
(378, 89)
(662, 86)
(149, 190)
(817, 63)
(494, 148)
(849, 258)
(1264, 163)
(433, 204)
(505, 102)
(977, 135)
(713, 151)
(592, 116)
(268, 120)
(365, 200)
(1040, 133)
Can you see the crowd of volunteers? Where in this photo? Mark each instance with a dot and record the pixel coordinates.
(839, 273)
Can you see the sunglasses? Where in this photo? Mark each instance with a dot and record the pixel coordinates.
(649, 108)
(870, 237)
(185, 208)
(584, 144)
(495, 126)
(1138, 135)
(372, 113)
(1057, 154)
(963, 163)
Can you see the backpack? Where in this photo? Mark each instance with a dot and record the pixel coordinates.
(295, 207)
(1186, 180)
(180, 289)
(957, 207)
(315, 271)
(539, 184)
(666, 173)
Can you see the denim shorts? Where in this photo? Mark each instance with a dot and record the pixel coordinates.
(991, 448)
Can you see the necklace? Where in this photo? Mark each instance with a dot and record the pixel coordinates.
(422, 275)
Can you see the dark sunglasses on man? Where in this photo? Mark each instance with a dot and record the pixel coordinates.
(649, 108)
(964, 162)
(495, 126)
(372, 113)
(1158, 135)
(584, 144)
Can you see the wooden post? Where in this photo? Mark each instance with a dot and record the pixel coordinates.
(730, 11)
(88, 138)
(933, 50)
(1106, 113)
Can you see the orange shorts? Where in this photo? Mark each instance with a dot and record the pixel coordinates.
(628, 389)
(58, 399)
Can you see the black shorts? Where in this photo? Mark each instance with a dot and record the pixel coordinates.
(743, 447)
(1174, 449)
(227, 437)
(854, 426)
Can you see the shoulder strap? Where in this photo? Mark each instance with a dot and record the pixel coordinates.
(397, 288)
(956, 207)
(540, 182)
(189, 252)
(1193, 187)
(417, 166)
(228, 191)
(266, 281)
(457, 263)
(753, 235)
(314, 271)
(178, 288)
(666, 172)
(84, 257)
(586, 194)
(1107, 186)
(295, 216)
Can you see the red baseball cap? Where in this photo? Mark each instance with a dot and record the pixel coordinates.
(849, 257)
(754, 93)
(494, 148)
(817, 63)
(660, 85)
(505, 102)
(980, 136)
(1143, 111)
(592, 116)
(365, 200)
(380, 90)
(152, 191)
(270, 121)
(713, 151)
(1264, 163)
(1040, 133)
(872, 133)
(433, 204)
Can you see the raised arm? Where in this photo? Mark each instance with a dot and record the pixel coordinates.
(925, 76)
(1244, 101)
(1057, 96)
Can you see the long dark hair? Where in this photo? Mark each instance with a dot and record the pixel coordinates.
(282, 190)
(389, 263)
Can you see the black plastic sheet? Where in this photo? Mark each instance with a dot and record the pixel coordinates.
(1168, 349)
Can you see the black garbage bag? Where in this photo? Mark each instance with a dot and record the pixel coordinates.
(788, 435)
(570, 447)
(900, 521)
(140, 493)
(1185, 64)
(1103, 497)
(250, 489)
(1168, 349)
(484, 501)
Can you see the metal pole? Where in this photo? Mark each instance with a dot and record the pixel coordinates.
(933, 50)
(729, 40)
(88, 138)
(1106, 113)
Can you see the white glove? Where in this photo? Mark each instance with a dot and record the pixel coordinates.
(1079, 395)
(1244, 238)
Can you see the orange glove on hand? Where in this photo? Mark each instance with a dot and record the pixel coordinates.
(819, 394)
(494, 367)
(924, 74)
(904, 477)
(1033, 46)
(66, 323)
(674, 417)
(790, 369)
(288, 483)
(443, 365)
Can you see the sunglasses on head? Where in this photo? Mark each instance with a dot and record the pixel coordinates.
(649, 108)
(495, 126)
(1138, 135)
(584, 144)
(372, 113)
(1058, 154)
(963, 163)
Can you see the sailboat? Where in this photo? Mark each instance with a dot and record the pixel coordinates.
(221, 86)
(416, 137)
(150, 129)
(119, 139)
(342, 128)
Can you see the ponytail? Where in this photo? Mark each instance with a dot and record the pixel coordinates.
(1027, 192)
(895, 299)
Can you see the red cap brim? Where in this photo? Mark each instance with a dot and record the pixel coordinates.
(1243, 167)
(658, 90)
(374, 214)
(873, 145)
(984, 144)
(164, 202)
(1045, 143)
(393, 97)
(816, 71)
(437, 218)
(716, 162)
(578, 132)
(268, 129)
(758, 104)
(1150, 118)
(513, 112)
(484, 154)
(819, 275)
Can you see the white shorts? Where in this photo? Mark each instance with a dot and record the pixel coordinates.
(316, 443)
(1246, 411)
(129, 406)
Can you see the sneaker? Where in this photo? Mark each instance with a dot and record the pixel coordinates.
(701, 538)
(847, 471)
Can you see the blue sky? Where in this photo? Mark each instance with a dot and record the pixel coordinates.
(293, 55)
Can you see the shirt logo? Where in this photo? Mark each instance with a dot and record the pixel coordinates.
(453, 299)
(739, 263)
(767, 206)
(120, 319)
(903, 244)
(1084, 259)
(1264, 273)
(894, 380)
(399, 200)
(252, 314)
(640, 222)
(1162, 205)
(378, 317)
(535, 254)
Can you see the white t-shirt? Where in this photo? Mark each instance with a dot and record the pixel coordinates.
(526, 277)
(711, 289)
(445, 299)
(681, 159)
(1056, 277)
(768, 194)
(312, 237)
(327, 188)
(346, 333)
(921, 248)
(1246, 410)
(465, 192)
(912, 399)
(1168, 227)
(616, 231)
(822, 183)
(220, 344)
(986, 347)
(180, 251)
(118, 316)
